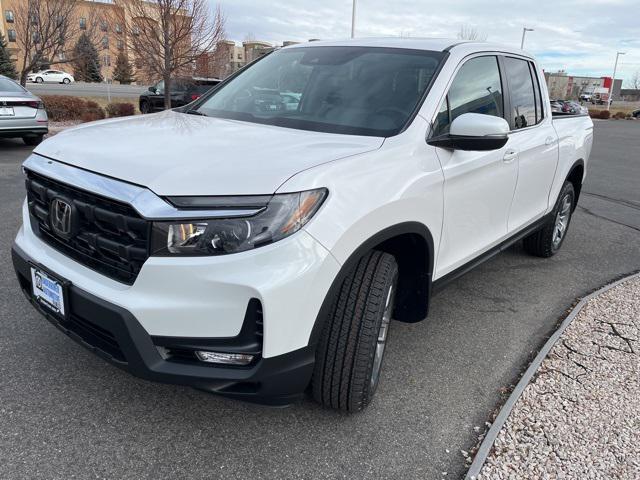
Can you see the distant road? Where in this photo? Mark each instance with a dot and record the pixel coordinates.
(80, 89)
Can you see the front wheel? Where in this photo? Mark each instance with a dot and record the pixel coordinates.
(548, 240)
(145, 107)
(66, 81)
(39, 80)
(351, 348)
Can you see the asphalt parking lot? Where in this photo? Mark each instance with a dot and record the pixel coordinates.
(65, 413)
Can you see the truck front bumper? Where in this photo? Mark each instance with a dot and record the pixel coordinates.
(114, 334)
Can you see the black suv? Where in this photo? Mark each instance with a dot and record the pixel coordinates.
(183, 91)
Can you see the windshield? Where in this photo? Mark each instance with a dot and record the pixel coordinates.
(352, 90)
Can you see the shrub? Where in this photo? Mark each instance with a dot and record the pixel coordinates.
(93, 112)
(120, 109)
(594, 113)
(63, 107)
(620, 115)
(605, 114)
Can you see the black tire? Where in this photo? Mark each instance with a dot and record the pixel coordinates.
(33, 140)
(66, 81)
(344, 376)
(145, 107)
(39, 80)
(545, 243)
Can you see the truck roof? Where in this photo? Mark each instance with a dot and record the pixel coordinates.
(432, 44)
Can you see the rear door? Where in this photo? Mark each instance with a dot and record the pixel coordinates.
(478, 186)
(534, 140)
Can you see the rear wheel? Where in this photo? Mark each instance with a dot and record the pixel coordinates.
(352, 345)
(548, 240)
(32, 140)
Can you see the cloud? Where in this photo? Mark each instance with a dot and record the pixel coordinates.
(581, 36)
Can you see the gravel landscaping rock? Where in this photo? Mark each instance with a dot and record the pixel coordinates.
(57, 127)
(578, 418)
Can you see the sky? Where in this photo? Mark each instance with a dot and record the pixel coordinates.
(581, 37)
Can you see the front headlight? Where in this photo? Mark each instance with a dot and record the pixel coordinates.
(283, 215)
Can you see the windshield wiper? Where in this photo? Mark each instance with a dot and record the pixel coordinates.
(195, 112)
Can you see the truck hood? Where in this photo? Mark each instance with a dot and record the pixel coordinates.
(178, 154)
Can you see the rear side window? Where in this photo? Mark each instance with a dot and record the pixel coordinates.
(537, 92)
(476, 89)
(523, 100)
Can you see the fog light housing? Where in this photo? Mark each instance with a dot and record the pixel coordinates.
(224, 358)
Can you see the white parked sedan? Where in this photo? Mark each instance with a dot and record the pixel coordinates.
(50, 76)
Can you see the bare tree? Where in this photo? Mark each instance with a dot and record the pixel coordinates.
(168, 36)
(634, 81)
(44, 29)
(467, 32)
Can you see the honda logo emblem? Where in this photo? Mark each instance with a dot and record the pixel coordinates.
(61, 217)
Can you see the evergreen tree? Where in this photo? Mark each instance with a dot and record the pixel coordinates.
(7, 67)
(86, 65)
(123, 71)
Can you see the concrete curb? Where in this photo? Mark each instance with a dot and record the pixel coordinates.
(489, 439)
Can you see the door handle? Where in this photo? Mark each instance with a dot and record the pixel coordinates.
(549, 141)
(509, 156)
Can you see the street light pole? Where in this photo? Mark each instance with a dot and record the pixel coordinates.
(613, 80)
(524, 32)
(353, 20)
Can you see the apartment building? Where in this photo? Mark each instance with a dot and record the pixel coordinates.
(96, 17)
(229, 57)
(564, 86)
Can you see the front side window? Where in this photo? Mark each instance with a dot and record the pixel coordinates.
(476, 88)
(352, 90)
(523, 106)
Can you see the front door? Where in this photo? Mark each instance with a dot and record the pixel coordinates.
(478, 186)
(157, 98)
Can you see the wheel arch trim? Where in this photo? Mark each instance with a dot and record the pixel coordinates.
(378, 239)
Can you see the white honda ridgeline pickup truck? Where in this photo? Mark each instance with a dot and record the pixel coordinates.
(257, 242)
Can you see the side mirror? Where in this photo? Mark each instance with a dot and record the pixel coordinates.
(474, 131)
(152, 89)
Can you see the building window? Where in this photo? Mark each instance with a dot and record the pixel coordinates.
(8, 16)
(106, 61)
(118, 28)
(239, 56)
(62, 56)
(11, 34)
(136, 30)
(105, 42)
(83, 23)
(120, 45)
(104, 26)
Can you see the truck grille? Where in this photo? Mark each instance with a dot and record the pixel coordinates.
(108, 236)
